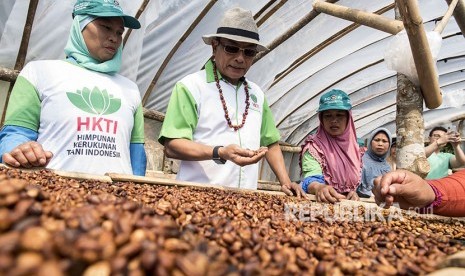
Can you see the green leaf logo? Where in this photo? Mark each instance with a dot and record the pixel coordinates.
(254, 98)
(95, 101)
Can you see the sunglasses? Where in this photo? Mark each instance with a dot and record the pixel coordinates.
(232, 50)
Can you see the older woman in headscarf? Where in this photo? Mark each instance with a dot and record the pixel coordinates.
(79, 114)
(331, 160)
(375, 160)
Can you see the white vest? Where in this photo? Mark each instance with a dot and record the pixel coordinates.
(212, 129)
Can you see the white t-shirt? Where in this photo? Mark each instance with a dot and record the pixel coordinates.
(86, 117)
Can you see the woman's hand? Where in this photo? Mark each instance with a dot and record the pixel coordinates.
(353, 196)
(293, 188)
(327, 194)
(27, 155)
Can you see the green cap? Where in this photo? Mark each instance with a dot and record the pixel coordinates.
(334, 99)
(104, 8)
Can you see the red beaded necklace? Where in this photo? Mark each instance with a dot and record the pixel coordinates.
(223, 102)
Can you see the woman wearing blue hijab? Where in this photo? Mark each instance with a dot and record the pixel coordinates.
(79, 114)
(374, 160)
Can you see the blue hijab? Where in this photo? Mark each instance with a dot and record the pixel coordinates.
(76, 49)
(373, 164)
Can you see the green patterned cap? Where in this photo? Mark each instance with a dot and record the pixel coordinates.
(335, 99)
(104, 8)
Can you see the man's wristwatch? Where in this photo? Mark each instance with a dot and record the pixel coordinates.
(216, 156)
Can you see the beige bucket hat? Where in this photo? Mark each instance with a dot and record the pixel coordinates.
(237, 24)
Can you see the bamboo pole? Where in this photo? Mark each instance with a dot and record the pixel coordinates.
(321, 46)
(375, 21)
(459, 14)
(151, 87)
(21, 59)
(139, 12)
(445, 19)
(271, 12)
(8, 74)
(303, 103)
(263, 9)
(424, 64)
(292, 149)
(302, 59)
(154, 115)
(291, 31)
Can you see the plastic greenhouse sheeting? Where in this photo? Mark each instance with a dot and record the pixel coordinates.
(341, 55)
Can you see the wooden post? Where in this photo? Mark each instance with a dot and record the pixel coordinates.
(419, 46)
(410, 128)
(375, 21)
(459, 14)
(410, 153)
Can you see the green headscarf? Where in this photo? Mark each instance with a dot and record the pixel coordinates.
(76, 48)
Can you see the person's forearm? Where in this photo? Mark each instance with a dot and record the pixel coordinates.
(431, 148)
(184, 149)
(452, 192)
(275, 159)
(459, 156)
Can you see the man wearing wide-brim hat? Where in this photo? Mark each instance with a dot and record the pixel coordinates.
(218, 122)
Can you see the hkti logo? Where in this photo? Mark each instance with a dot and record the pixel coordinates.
(254, 99)
(97, 101)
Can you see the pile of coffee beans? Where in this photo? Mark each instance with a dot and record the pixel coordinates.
(51, 225)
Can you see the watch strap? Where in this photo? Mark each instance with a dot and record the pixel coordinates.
(216, 156)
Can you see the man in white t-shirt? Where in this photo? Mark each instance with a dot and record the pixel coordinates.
(218, 122)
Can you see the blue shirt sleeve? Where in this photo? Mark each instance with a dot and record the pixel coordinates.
(138, 158)
(314, 178)
(13, 136)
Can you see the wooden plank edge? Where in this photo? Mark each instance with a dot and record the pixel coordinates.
(83, 176)
(174, 182)
(67, 174)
